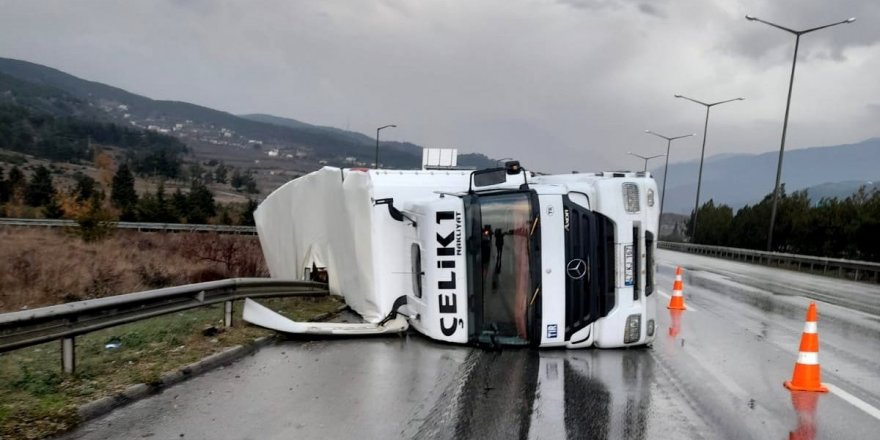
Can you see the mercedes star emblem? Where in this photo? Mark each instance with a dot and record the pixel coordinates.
(576, 269)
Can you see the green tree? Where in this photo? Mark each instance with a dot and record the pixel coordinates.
(16, 179)
(163, 161)
(201, 204)
(867, 237)
(749, 228)
(179, 204)
(791, 215)
(4, 188)
(237, 181)
(197, 173)
(714, 224)
(251, 185)
(224, 217)
(53, 209)
(221, 173)
(156, 207)
(40, 190)
(124, 197)
(247, 217)
(95, 222)
(85, 186)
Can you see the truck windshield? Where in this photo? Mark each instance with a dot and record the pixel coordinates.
(503, 274)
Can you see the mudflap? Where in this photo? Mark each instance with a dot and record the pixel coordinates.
(260, 315)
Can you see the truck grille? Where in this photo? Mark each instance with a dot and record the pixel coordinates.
(589, 238)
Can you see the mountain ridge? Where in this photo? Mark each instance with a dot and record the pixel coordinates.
(745, 179)
(735, 179)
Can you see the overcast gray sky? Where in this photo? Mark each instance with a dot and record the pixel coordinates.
(561, 85)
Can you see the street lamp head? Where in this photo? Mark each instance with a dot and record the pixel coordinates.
(393, 126)
(751, 18)
(740, 99)
(850, 20)
(677, 95)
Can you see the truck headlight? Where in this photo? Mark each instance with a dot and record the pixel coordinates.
(650, 328)
(631, 197)
(650, 197)
(633, 329)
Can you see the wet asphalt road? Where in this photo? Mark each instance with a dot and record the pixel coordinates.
(715, 371)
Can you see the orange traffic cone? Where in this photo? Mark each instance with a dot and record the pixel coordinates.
(677, 301)
(806, 370)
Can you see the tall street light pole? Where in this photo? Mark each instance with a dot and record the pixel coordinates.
(376, 164)
(797, 41)
(666, 169)
(703, 152)
(645, 158)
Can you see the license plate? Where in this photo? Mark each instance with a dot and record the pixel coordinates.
(628, 265)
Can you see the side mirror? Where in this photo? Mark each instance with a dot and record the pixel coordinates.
(488, 177)
(495, 176)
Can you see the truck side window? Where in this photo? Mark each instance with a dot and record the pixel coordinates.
(416, 257)
(649, 263)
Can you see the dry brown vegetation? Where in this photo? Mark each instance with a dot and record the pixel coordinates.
(41, 267)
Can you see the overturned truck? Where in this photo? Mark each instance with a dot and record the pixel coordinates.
(492, 257)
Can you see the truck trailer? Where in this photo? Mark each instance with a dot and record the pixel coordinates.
(493, 257)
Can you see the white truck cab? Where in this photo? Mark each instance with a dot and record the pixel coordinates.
(491, 257)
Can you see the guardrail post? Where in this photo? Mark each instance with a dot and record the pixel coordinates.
(68, 355)
(227, 313)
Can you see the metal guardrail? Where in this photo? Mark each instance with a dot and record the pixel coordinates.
(140, 226)
(841, 268)
(66, 321)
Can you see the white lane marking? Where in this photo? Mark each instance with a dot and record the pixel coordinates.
(854, 401)
(687, 307)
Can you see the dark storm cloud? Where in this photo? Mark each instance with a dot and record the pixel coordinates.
(650, 9)
(757, 40)
(561, 84)
(615, 5)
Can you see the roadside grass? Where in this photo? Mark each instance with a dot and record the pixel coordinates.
(39, 400)
(42, 267)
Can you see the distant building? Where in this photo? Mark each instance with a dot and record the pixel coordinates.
(273, 153)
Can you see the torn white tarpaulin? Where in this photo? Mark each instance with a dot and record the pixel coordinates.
(258, 314)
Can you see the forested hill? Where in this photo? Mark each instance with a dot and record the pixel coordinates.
(69, 139)
(45, 89)
(474, 160)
